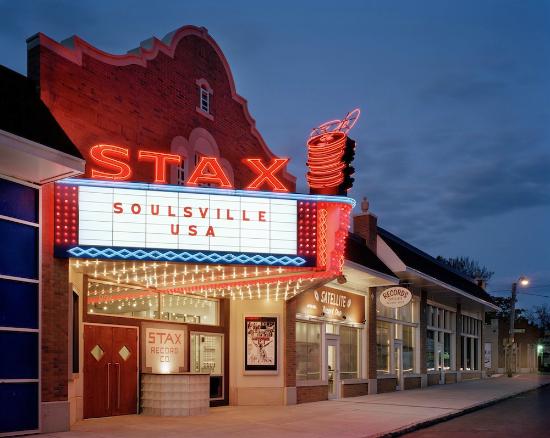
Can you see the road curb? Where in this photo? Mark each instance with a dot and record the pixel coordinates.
(447, 417)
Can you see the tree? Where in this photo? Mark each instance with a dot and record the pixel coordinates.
(505, 304)
(540, 316)
(468, 267)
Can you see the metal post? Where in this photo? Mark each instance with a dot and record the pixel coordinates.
(511, 333)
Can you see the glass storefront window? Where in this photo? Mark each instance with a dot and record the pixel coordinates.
(408, 349)
(383, 333)
(430, 350)
(121, 301)
(349, 352)
(447, 351)
(308, 351)
(207, 357)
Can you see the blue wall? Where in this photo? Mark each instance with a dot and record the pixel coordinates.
(19, 307)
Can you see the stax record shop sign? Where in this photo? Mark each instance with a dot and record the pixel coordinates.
(395, 297)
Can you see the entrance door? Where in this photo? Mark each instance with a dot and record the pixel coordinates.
(110, 370)
(333, 368)
(398, 363)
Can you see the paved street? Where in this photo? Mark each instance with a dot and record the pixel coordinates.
(357, 417)
(525, 415)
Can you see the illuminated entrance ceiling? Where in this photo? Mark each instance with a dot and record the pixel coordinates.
(114, 280)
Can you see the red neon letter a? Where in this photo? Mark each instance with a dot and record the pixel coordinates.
(209, 171)
(104, 155)
(266, 174)
(160, 161)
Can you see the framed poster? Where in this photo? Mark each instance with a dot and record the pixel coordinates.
(260, 344)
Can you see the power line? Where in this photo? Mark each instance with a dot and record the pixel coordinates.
(499, 291)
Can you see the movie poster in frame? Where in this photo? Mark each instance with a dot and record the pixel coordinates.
(260, 343)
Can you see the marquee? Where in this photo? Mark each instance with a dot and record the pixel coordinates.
(116, 220)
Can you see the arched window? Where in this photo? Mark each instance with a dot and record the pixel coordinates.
(178, 174)
(205, 94)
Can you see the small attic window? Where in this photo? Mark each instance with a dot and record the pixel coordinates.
(204, 99)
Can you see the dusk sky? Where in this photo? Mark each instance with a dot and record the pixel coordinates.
(454, 137)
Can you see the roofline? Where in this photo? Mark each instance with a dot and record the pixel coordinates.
(418, 251)
(75, 164)
(370, 271)
(452, 288)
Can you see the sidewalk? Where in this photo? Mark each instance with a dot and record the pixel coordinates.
(373, 415)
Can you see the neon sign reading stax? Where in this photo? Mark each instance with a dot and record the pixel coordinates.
(113, 165)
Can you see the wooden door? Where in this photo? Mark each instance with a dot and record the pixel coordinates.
(98, 345)
(125, 363)
(110, 371)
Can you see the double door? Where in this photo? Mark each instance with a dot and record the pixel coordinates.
(110, 370)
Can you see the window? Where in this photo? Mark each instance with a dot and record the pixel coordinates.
(441, 336)
(141, 303)
(308, 351)
(469, 342)
(383, 330)
(180, 174)
(408, 349)
(349, 352)
(204, 99)
(430, 351)
(207, 357)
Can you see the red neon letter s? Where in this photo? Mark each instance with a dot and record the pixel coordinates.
(209, 171)
(106, 156)
(266, 174)
(117, 207)
(160, 161)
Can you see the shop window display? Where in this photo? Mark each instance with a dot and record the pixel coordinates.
(383, 330)
(349, 352)
(308, 351)
(207, 357)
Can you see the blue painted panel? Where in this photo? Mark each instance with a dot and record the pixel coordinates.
(19, 355)
(18, 201)
(18, 407)
(18, 304)
(18, 250)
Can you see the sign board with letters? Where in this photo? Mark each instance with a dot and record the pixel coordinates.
(164, 348)
(395, 297)
(332, 304)
(134, 221)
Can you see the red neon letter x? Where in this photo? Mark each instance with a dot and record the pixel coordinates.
(266, 174)
(160, 160)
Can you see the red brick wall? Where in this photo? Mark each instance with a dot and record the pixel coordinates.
(290, 343)
(355, 389)
(145, 101)
(307, 394)
(386, 385)
(413, 382)
(55, 310)
(371, 328)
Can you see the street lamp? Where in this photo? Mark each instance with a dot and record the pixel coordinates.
(523, 281)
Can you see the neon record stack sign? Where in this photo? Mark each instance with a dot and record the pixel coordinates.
(330, 153)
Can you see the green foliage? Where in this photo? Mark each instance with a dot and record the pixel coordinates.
(468, 267)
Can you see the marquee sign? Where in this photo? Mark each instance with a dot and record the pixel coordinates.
(99, 219)
(395, 297)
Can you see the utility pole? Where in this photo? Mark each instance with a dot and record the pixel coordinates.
(511, 332)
